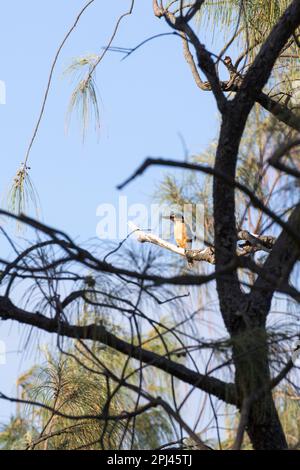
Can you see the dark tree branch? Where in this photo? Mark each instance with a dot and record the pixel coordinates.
(223, 391)
(281, 112)
(279, 264)
(205, 62)
(275, 159)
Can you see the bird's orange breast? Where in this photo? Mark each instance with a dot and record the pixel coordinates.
(180, 234)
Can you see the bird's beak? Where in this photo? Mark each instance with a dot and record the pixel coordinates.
(168, 217)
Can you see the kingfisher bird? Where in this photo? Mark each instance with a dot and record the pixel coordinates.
(182, 233)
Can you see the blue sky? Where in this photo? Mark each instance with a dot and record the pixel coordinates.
(146, 101)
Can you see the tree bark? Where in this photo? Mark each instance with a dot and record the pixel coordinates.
(250, 354)
(244, 320)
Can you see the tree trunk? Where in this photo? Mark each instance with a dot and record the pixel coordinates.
(244, 315)
(264, 427)
(250, 353)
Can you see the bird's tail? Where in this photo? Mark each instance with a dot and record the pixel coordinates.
(190, 262)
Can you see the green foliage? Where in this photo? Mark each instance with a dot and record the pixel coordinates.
(67, 387)
(14, 435)
(22, 194)
(76, 384)
(289, 412)
(256, 17)
(249, 23)
(84, 98)
(152, 429)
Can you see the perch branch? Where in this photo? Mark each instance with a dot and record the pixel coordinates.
(207, 254)
(252, 243)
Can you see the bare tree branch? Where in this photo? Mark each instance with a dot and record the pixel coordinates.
(225, 392)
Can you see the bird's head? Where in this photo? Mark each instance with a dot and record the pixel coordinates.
(227, 60)
(174, 217)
